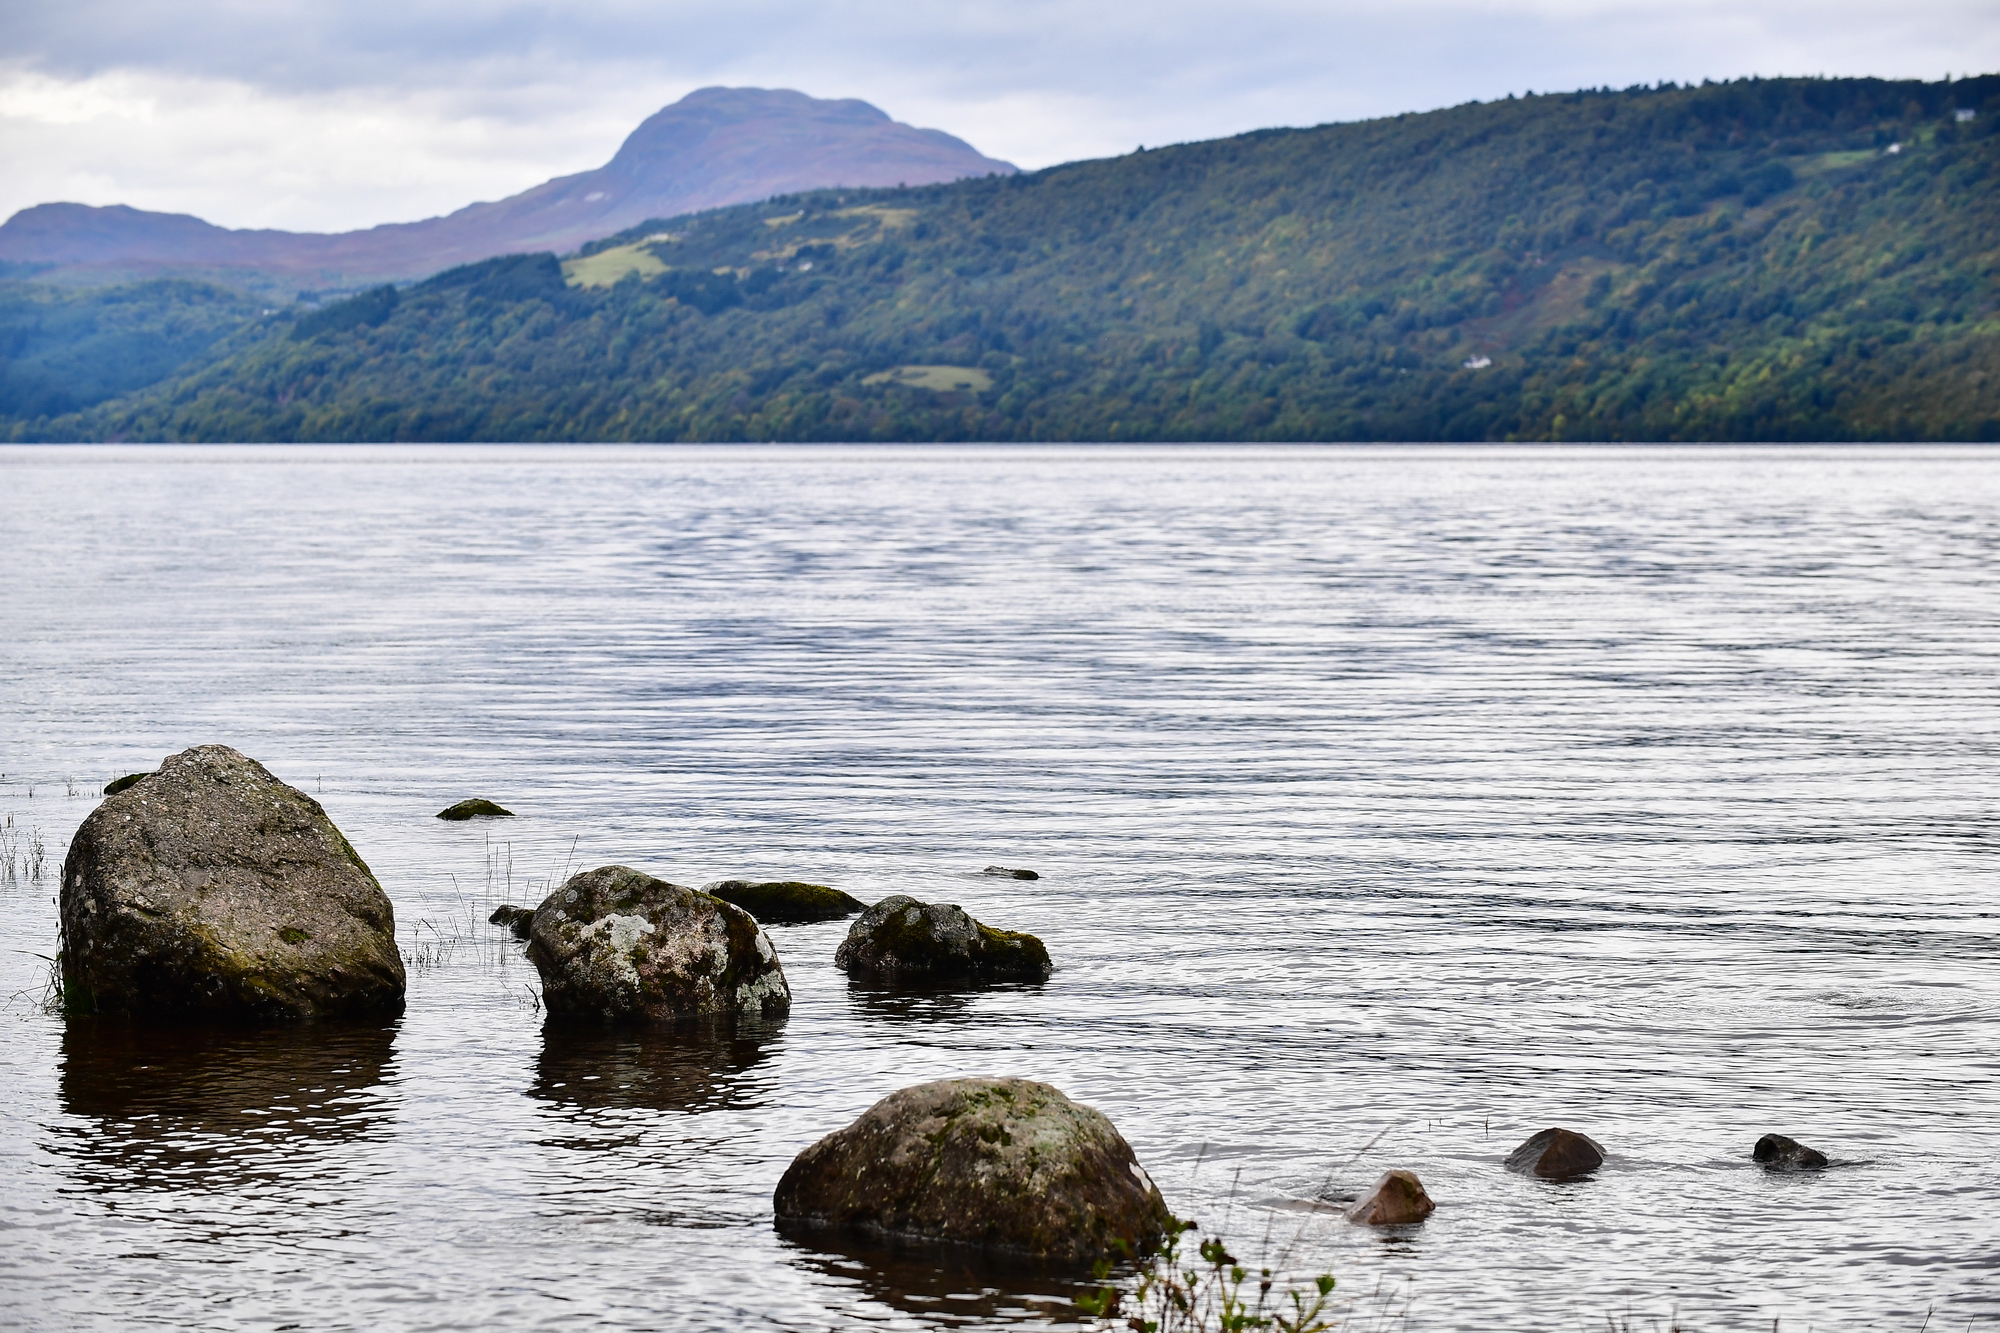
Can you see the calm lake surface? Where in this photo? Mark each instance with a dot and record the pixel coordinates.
(1390, 806)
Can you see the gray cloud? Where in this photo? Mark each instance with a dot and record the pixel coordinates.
(1034, 80)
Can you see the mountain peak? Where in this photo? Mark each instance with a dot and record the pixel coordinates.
(714, 147)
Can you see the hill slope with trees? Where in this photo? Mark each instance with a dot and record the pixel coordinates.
(1761, 260)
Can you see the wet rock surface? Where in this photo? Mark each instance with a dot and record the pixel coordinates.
(1007, 1165)
(787, 902)
(1779, 1153)
(520, 920)
(902, 941)
(1397, 1199)
(1007, 873)
(614, 945)
(1556, 1154)
(475, 809)
(213, 890)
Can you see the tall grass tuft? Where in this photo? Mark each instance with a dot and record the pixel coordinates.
(24, 857)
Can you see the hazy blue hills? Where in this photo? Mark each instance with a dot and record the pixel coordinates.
(715, 146)
(1760, 260)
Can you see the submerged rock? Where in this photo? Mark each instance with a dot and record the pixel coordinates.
(214, 890)
(786, 902)
(475, 809)
(116, 785)
(617, 946)
(1779, 1153)
(1557, 1154)
(1010, 874)
(902, 940)
(1007, 1165)
(1397, 1199)
(520, 920)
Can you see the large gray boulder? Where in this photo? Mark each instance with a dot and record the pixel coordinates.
(901, 940)
(210, 889)
(617, 946)
(1005, 1165)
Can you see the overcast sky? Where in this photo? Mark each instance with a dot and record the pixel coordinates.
(330, 114)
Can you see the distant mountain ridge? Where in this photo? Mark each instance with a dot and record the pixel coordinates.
(714, 147)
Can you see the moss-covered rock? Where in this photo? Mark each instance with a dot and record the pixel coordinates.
(786, 902)
(1006, 1165)
(1006, 872)
(116, 785)
(901, 940)
(475, 809)
(520, 920)
(617, 946)
(214, 890)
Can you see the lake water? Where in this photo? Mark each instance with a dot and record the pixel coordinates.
(1389, 805)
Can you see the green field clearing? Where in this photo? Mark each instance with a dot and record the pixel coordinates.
(943, 379)
(606, 267)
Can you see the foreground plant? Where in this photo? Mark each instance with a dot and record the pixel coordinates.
(1204, 1293)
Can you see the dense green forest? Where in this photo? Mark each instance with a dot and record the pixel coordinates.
(63, 350)
(1790, 259)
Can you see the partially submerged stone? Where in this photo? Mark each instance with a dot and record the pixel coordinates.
(902, 940)
(1006, 1165)
(1779, 1153)
(520, 920)
(1556, 1154)
(1009, 874)
(1397, 1199)
(786, 902)
(614, 945)
(475, 809)
(214, 890)
(116, 785)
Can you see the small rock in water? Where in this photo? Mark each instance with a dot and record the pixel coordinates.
(1004, 872)
(520, 920)
(116, 785)
(1006, 1165)
(617, 946)
(1557, 1154)
(475, 809)
(786, 902)
(1779, 1153)
(212, 890)
(1397, 1199)
(902, 940)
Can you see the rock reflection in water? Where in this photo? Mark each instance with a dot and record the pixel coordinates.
(206, 1107)
(941, 1284)
(700, 1067)
(922, 1004)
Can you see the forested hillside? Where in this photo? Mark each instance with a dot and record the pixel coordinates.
(1762, 260)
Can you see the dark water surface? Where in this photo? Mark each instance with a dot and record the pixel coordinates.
(1390, 806)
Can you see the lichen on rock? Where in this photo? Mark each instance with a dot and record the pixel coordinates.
(213, 890)
(1005, 1165)
(786, 902)
(614, 945)
(901, 940)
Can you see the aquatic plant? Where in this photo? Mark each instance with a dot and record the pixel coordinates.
(24, 857)
(1176, 1292)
